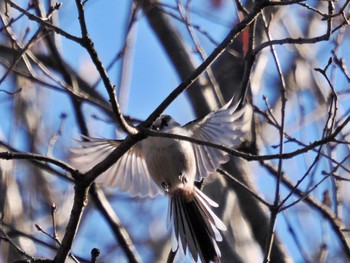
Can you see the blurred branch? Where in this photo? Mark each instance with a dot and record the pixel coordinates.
(71, 81)
(11, 93)
(296, 239)
(82, 91)
(292, 139)
(326, 211)
(102, 205)
(301, 40)
(5, 237)
(13, 232)
(87, 43)
(126, 56)
(80, 201)
(245, 187)
(237, 29)
(30, 43)
(276, 203)
(185, 15)
(341, 64)
(37, 157)
(178, 54)
(44, 22)
(112, 219)
(161, 7)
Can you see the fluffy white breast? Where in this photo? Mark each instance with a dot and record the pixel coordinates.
(171, 162)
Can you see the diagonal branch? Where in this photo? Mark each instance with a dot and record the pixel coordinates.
(89, 46)
(237, 29)
(326, 211)
(44, 22)
(247, 156)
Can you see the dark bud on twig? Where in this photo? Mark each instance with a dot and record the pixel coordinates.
(95, 252)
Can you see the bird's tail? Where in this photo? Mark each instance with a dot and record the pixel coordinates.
(196, 227)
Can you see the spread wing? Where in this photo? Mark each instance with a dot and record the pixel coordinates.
(129, 173)
(225, 126)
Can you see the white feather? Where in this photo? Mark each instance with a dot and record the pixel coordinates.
(129, 173)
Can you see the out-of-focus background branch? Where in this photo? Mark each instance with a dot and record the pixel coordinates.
(51, 92)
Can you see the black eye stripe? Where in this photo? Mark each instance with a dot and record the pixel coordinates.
(165, 122)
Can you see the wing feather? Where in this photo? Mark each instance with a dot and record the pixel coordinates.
(129, 173)
(225, 126)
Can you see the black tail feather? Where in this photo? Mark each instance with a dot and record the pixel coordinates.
(195, 226)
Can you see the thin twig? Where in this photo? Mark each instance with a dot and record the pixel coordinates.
(292, 139)
(121, 234)
(185, 15)
(326, 212)
(274, 212)
(43, 22)
(80, 201)
(20, 251)
(37, 157)
(89, 46)
(196, 27)
(237, 29)
(248, 156)
(243, 186)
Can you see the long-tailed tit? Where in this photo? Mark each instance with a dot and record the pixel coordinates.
(171, 166)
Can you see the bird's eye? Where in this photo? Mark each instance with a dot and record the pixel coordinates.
(165, 186)
(164, 123)
(161, 123)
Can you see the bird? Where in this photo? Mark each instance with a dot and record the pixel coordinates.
(170, 166)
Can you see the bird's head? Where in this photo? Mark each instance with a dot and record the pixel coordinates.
(164, 122)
